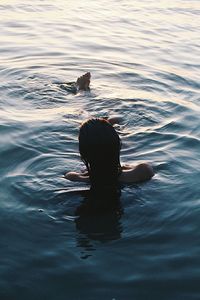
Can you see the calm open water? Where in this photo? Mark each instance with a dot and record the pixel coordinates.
(144, 60)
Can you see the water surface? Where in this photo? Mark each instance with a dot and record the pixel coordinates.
(144, 60)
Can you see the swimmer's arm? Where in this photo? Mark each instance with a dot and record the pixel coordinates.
(127, 167)
(140, 173)
(74, 176)
(114, 120)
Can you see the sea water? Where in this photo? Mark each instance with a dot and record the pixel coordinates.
(144, 61)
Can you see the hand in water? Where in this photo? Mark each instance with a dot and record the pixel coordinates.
(83, 82)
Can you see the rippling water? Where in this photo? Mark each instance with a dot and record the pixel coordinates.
(144, 60)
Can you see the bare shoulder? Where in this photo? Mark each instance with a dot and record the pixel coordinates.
(139, 173)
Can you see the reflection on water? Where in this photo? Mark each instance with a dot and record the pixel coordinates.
(101, 228)
(97, 219)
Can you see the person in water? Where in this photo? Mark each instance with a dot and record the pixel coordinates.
(99, 147)
(82, 84)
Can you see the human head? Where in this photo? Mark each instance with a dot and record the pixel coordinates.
(99, 146)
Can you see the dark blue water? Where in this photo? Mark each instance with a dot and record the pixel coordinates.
(144, 60)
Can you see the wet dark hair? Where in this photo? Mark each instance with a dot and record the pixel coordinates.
(99, 146)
